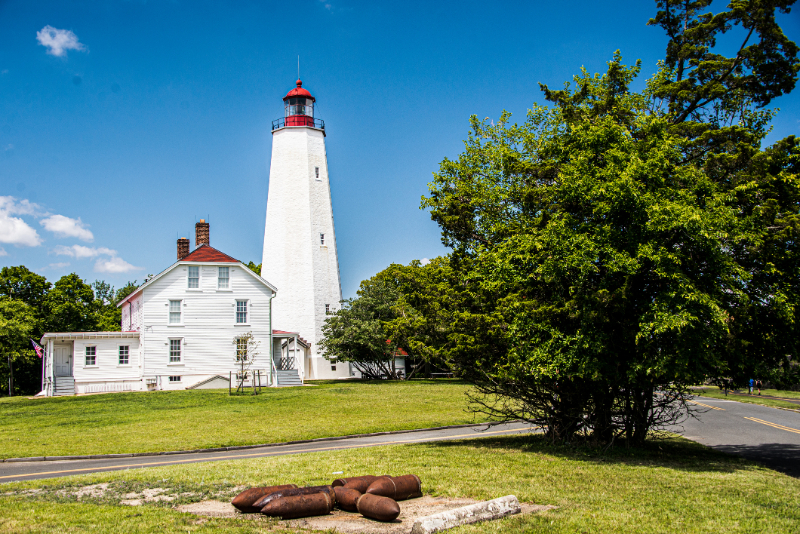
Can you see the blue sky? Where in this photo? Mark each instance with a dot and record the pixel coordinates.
(123, 122)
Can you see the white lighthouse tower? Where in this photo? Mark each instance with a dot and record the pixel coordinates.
(299, 239)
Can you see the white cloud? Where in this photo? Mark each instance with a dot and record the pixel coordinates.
(111, 264)
(12, 206)
(65, 227)
(58, 41)
(114, 265)
(79, 251)
(3, 252)
(59, 265)
(425, 261)
(14, 230)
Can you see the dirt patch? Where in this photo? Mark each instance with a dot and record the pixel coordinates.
(149, 495)
(94, 491)
(210, 509)
(352, 523)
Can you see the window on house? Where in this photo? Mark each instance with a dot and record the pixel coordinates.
(174, 379)
(327, 309)
(333, 367)
(241, 350)
(174, 351)
(321, 239)
(194, 277)
(241, 311)
(124, 351)
(91, 355)
(175, 312)
(316, 172)
(223, 279)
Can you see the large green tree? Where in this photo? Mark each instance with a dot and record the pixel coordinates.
(71, 306)
(17, 323)
(619, 246)
(356, 332)
(23, 295)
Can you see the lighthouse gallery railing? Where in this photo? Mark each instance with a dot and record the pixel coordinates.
(298, 120)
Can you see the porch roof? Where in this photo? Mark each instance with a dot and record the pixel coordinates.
(88, 335)
(283, 334)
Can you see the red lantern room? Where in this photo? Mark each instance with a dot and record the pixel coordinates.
(298, 109)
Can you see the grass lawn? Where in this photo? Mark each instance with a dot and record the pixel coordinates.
(710, 391)
(180, 420)
(667, 486)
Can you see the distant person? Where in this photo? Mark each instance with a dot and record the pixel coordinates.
(758, 385)
(752, 383)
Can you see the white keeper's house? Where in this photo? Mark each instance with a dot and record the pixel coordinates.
(180, 330)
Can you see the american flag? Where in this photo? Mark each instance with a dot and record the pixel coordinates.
(38, 348)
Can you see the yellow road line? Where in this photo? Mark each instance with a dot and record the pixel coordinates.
(707, 405)
(774, 425)
(767, 397)
(262, 454)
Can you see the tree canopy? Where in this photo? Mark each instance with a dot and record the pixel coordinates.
(356, 332)
(619, 246)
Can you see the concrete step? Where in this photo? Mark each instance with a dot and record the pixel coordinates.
(64, 385)
(290, 377)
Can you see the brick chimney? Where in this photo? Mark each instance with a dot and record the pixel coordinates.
(183, 248)
(201, 236)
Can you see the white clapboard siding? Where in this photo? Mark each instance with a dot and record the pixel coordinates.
(107, 368)
(208, 323)
(132, 314)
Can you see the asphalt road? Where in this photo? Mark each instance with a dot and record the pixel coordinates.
(767, 435)
(13, 471)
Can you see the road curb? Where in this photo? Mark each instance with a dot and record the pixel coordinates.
(243, 447)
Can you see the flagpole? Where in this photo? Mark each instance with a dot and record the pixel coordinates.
(10, 376)
(42, 354)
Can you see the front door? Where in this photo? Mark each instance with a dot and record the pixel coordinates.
(62, 359)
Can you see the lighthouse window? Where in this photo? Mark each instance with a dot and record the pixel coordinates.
(300, 106)
(327, 309)
(316, 172)
(321, 239)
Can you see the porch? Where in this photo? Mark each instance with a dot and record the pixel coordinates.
(290, 354)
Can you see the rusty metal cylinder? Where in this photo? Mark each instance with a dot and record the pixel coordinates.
(293, 492)
(345, 481)
(360, 483)
(397, 488)
(377, 507)
(346, 498)
(295, 506)
(246, 499)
